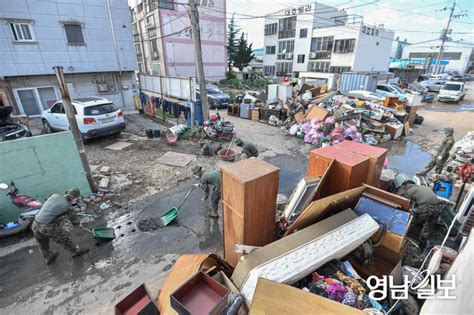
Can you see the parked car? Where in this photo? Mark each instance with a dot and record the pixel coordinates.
(452, 91)
(96, 117)
(215, 97)
(433, 85)
(366, 95)
(391, 90)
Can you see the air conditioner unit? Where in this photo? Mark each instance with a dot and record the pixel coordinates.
(289, 56)
(312, 55)
(154, 55)
(150, 25)
(102, 87)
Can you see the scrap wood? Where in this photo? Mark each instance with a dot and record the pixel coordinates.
(271, 296)
(324, 97)
(317, 112)
(299, 117)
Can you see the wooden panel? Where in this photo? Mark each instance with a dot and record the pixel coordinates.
(275, 298)
(376, 157)
(349, 170)
(318, 113)
(249, 191)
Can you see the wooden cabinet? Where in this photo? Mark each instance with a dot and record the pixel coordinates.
(349, 169)
(249, 192)
(376, 157)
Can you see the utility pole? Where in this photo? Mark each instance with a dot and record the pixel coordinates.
(71, 117)
(194, 17)
(444, 37)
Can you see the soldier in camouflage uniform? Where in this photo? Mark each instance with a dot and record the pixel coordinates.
(248, 148)
(209, 149)
(439, 159)
(209, 180)
(49, 224)
(426, 210)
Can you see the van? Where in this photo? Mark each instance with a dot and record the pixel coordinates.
(452, 91)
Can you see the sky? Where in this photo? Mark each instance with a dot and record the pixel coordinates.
(415, 20)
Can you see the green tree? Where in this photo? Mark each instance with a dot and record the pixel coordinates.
(232, 31)
(243, 56)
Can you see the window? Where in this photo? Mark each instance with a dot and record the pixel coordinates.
(22, 32)
(319, 66)
(338, 69)
(74, 34)
(446, 55)
(303, 33)
(286, 46)
(269, 70)
(270, 50)
(322, 43)
(344, 45)
(154, 49)
(166, 4)
(155, 69)
(271, 29)
(100, 109)
(57, 108)
(283, 68)
(300, 59)
(150, 21)
(287, 27)
(137, 49)
(34, 100)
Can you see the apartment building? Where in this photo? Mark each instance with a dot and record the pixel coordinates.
(318, 41)
(91, 39)
(163, 43)
(457, 55)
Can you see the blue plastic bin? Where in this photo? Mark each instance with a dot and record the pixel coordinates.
(443, 189)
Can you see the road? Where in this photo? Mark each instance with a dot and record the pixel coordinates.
(94, 282)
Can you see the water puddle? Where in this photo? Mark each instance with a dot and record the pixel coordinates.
(408, 158)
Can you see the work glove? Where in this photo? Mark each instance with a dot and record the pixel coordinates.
(197, 185)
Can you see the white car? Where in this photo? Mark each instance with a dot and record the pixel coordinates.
(452, 91)
(95, 116)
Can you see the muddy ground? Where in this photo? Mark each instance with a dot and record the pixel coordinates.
(94, 282)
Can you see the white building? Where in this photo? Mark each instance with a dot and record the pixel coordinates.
(91, 39)
(458, 55)
(318, 42)
(163, 43)
(397, 47)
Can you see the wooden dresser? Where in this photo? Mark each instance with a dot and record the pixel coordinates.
(348, 171)
(249, 192)
(376, 157)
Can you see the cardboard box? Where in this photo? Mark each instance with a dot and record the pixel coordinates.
(376, 157)
(136, 302)
(318, 113)
(272, 298)
(394, 130)
(349, 170)
(255, 114)
(325, 207)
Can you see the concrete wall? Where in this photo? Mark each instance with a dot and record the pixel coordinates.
(83, 85)
(51, 48)
(373, 52)
(39, 166)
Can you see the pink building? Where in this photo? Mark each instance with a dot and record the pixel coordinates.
(163, 40)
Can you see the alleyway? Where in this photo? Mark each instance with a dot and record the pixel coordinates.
(92, 283)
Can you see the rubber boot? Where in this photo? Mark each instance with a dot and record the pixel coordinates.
(51, 259)
(80, 252)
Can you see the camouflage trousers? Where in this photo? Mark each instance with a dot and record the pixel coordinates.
(424, 222)
(56, 232)
(215, 197)
(437, 163)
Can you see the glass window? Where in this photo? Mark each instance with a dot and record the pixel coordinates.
(270, 50)
(300, 58)
(100, 109)
(271, 29)
(166, 4)
(57, 108)
(303, 33)
(22, 32)
(322, 43)
(74, 33)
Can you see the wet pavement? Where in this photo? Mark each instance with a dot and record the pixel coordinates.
(407, 157)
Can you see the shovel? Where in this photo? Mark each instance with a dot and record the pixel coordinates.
(106, 233)
(171, 214)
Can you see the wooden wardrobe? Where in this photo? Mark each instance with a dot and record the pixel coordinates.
(249, 192)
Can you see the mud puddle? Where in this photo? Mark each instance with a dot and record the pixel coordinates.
(408, 158)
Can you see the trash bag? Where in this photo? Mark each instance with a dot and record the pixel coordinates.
(418, 120)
